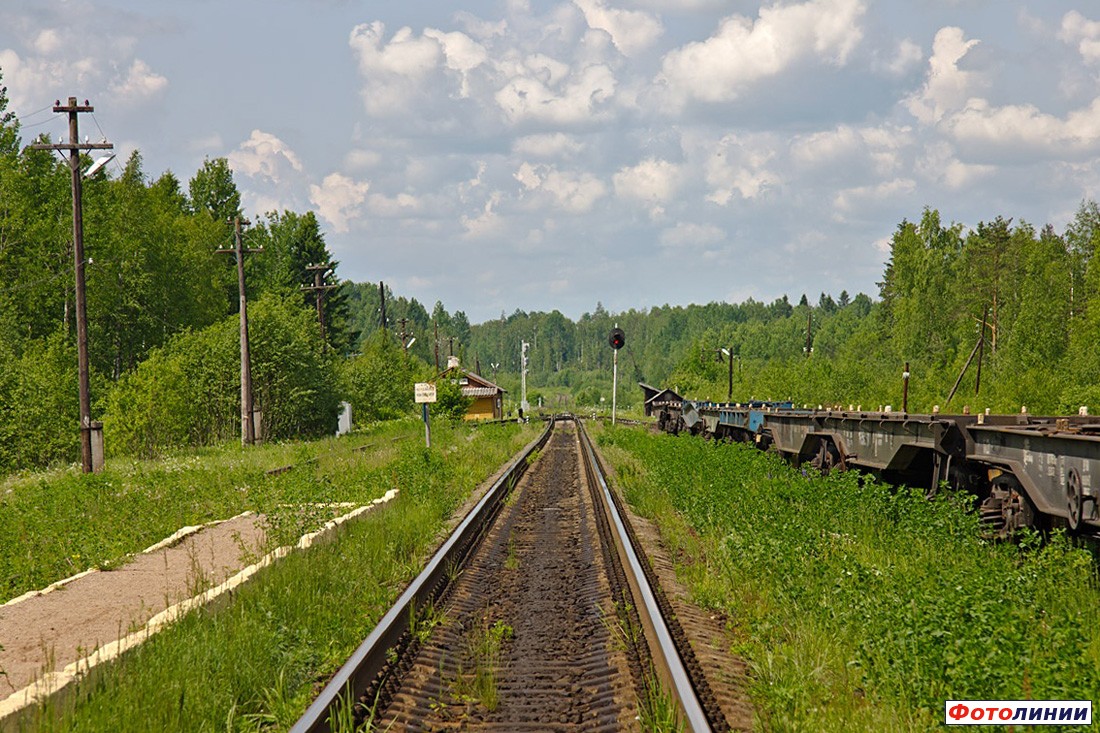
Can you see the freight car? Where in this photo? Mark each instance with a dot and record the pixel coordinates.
(1026, 471)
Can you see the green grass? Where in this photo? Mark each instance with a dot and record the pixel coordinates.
(476, 681)
(60, 523)
(255, 663)
(860, 607)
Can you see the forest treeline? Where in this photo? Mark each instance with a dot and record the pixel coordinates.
(163, 323)
(1037, 292)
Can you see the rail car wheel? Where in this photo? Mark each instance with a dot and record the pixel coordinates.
(1075, 499)
(827, 457)
(1007, 508)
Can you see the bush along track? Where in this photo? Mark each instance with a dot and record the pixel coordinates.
(254, 663)
(861, 606)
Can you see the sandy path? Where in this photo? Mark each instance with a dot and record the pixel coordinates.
(46, 632)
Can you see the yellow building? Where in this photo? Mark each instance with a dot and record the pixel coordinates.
(488, 398)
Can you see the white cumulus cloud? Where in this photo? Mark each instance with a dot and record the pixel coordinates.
(632, 31)
(339, 200)
(859, 196)
(947, 87)
(909, 55)
(394, 70)
(1022, 129)
(743, 52)
(551, 96)
(740, 167)
(549, 145)
(652, 180)
(140, 84)
(573, 192)
(264, 155)
(1078, 29)
(689, 235)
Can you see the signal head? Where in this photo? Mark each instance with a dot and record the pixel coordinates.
(617, 338)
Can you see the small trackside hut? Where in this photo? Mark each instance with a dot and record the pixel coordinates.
(656, 398)
(488, 398)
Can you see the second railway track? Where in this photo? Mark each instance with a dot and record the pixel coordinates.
(535, 615)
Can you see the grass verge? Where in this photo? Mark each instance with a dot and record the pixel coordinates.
(860, 607)
(255, 663)
(59, 523)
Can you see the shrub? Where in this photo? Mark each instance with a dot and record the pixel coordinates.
(39, 404)
(188, 392)
(379, 382)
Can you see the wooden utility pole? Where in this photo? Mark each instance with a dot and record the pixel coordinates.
(729, 394)
(436, 325)
(981, 351)
(248, 431)
(404, 336)
(74, 147)
(978, 347)
(382, 297)
(809, 347)
(319, 288)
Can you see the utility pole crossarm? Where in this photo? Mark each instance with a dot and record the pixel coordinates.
(319, 288)
(71, 146)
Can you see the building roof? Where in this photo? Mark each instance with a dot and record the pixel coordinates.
(665, 395)
(481, 391)
(474, 382)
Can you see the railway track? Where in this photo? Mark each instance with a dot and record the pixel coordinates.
(537, 613)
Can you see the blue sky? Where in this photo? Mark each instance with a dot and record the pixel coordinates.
(539, 154)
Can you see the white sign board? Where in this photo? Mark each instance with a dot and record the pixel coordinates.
(425, 392)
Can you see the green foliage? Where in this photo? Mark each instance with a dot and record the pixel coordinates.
(858, 606)
(379, 381)
(39, 406)
(450, 404)
(292, 243)
(213, 191)
(188, 393)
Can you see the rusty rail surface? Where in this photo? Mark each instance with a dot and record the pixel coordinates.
(665, 652)
(371, 657)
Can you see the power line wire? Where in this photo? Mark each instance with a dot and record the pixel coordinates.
(46, 121)
(101, 132)
(32, 114)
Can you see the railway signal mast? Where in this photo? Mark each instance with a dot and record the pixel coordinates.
(617, 339)
(523, 406)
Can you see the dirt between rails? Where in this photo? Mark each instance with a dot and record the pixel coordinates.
(528, 637)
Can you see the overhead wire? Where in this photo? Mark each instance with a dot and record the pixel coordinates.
(21, 118)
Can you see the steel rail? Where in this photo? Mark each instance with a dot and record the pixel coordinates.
(370, 658)
(667, 662)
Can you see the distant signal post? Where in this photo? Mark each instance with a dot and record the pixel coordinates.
(617, 339)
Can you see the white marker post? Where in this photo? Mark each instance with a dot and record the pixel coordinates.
(424, 393)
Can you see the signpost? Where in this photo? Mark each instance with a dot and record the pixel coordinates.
(424, 393)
